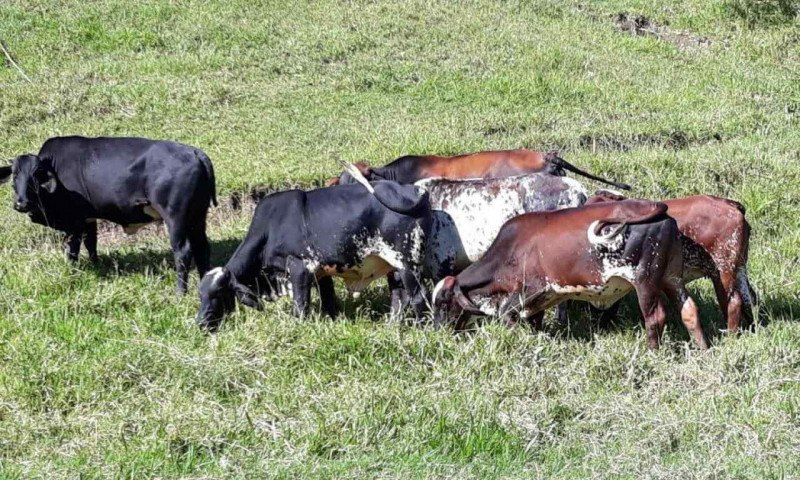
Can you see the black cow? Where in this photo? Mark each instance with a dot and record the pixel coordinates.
(74, 181)
(347, 231)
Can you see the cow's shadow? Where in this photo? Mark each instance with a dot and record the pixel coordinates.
(583, 324)
(138, 261)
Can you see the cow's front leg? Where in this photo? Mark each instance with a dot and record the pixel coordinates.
(90, 240)
(301, 280)
(416, 291)
(327, 296)
(399, 297)
(72, 245)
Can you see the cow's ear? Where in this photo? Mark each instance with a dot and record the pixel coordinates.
(246, 296)
(332, 181)
(365, 169)
(5, 174)
(46, 174)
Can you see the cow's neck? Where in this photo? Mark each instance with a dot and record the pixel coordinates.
(246, 263)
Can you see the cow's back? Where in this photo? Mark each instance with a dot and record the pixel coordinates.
(114, 177)
(344, 214)
(468, 214)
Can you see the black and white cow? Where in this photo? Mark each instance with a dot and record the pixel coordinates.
(348, 231)
(468, 214)
(74, 181)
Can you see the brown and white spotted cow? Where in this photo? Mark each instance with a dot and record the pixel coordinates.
(488, 164)
(716, 241)
(595, 253)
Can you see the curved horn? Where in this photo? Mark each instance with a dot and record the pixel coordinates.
(598, 238)
(357, 175)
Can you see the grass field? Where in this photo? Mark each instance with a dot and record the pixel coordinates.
(103, 374)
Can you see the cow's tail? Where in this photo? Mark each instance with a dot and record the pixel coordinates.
(206, 162)
(390, 194)
(560, 163)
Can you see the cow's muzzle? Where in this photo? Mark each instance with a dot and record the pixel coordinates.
(208, 323)
(22, 207)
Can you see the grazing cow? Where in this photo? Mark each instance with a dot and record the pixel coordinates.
(716, 241)
(343, 231)
(595, 253)
(74, 181)
(491, 164)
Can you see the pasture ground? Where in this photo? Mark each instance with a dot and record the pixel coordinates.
(103, 374)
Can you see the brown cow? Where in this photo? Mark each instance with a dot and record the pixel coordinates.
(595, 253)
(716, 241)
(490, 164)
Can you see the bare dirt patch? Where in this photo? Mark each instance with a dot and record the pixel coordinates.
(229, 209)
(674, 140)
(641, 26)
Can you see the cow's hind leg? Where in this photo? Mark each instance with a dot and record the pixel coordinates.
(201, 250)
(90, 240)
(689, 312)
(654, 313)
(725, 288)
(182, 252)
(72, 245)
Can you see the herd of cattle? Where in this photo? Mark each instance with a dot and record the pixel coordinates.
(500, 233)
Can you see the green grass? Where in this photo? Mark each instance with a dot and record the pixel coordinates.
(103, 374)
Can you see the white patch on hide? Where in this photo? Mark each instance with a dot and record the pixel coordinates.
(574, 195)
(377, 246)
(215, 274)
(376, 260)
(488, 305)
(311, 261)
(601, 296)
(468, 214)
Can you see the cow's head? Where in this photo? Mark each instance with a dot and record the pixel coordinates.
(345, 178)
(449, 302)
(33, 176)
(218, 291)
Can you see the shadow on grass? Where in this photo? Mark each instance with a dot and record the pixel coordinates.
(583, 324)
(138, 261)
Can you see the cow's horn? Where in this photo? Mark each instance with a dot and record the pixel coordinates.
(603, 239)
(357, 175)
